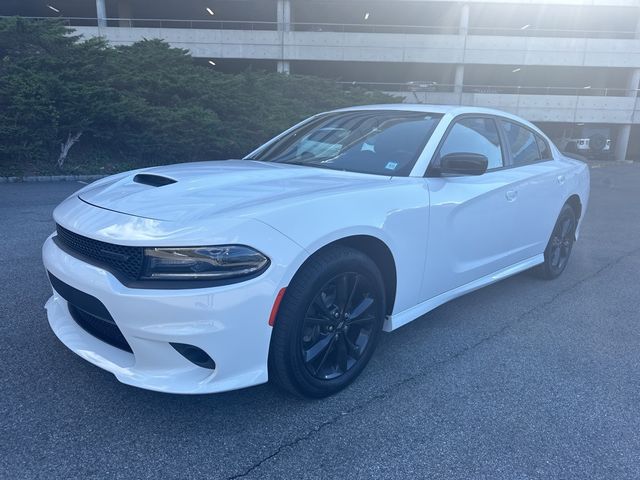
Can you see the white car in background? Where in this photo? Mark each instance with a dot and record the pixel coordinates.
(290, 263)
(592, 142)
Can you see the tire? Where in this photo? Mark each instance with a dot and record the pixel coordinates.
(328, 324)
(558, 251)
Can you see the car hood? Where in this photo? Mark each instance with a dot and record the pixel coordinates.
(239, 187)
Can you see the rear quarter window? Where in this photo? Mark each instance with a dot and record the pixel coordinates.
(544, 149)
(521, 142)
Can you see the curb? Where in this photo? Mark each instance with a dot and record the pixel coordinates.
(51, 178)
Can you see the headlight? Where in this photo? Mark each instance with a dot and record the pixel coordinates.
(202, 263)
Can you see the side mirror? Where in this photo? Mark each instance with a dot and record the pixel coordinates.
(463, 164)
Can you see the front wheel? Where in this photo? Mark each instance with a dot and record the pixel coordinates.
(328, 324)
(556, 255)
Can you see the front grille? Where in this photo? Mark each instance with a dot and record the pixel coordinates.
(90, 314)
(121, 259)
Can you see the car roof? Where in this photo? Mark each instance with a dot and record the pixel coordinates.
(453, 110)
(411, 107)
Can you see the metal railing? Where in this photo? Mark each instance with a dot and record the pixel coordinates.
(456, 30)
(551, 32)
(344, 27)
(162, 23)
(427, 87)
(375, 28)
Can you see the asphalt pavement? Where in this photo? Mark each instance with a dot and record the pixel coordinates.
(523, 379)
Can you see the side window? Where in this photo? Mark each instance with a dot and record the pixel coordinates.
(474, 135)
(522, 143)
(543, 147)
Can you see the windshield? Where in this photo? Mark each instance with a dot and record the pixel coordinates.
(382, 142)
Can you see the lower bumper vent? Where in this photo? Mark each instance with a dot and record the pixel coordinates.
(91, 314)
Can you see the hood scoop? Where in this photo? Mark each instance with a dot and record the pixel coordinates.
(153, 180)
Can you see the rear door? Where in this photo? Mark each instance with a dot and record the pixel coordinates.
(472, 218)
(537, 183)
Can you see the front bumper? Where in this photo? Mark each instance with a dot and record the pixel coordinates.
(230, 323)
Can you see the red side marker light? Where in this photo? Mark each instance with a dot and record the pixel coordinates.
(276, 306)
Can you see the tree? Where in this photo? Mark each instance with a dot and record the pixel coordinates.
(146, 103)
(53, 87)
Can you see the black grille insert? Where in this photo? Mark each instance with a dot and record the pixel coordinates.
(119, 259)
(91, 314)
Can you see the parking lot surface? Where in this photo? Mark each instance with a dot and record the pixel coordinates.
(523, 379)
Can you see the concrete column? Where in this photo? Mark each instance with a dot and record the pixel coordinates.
(125, 13)
(101, 13)
(622, 143)
(458, 81)
(634, 83)
(284, 67)
(283, 15)
(464, 20)
(624, 132)
(635, 76)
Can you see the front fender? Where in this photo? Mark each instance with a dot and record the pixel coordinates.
(397, 214)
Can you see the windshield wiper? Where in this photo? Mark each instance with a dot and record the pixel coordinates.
(310, 164)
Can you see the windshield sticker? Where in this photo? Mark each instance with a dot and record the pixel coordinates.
(391, 165)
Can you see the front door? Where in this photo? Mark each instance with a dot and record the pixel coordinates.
(472, 218)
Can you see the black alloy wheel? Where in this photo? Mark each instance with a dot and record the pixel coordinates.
(328, 324)
(556, 255)
(338, 326)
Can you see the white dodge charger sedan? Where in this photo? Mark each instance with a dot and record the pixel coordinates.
(289, 263)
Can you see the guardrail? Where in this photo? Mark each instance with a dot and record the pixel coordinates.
(433, 87)
(456, 30)
(343, 27)
(161, 23)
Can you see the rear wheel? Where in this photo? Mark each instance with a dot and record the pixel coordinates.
(556, 255)
(328, 324)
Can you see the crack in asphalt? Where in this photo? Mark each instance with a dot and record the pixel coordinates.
(395, 387)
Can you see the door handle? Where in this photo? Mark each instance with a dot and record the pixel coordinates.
(561, 179)
(511, 195)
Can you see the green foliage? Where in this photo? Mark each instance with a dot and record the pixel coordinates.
(142, 104)
(51, 85)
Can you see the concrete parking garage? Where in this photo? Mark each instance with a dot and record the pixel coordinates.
(572, 66)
